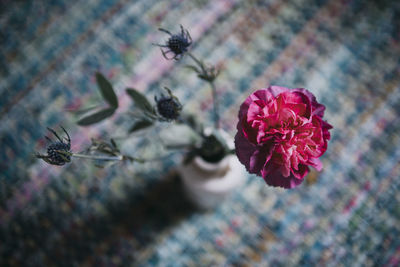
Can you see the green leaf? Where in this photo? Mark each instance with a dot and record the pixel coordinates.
(106, 90)
(140, 125)
(140, 100)
(96, 117)
(82, 111)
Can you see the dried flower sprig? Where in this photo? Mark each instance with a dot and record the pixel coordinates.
(167, 107)
(59, 153)
(211, 148)
(177, 44)
(208, 74)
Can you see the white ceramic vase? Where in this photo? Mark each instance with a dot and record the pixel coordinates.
(208, 184)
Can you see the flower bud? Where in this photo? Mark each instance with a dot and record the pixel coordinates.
(177, 44)
(169, 107)
(58, 153)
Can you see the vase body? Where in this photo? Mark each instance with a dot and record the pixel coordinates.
(208, 184)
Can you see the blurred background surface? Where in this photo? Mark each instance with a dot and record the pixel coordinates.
(346, 52)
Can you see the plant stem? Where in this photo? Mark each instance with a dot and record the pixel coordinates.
(213, 90)
(119, 158)
(198, 62)
(116, 158)
(215, 104)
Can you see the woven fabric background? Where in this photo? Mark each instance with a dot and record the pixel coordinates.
(346, 52)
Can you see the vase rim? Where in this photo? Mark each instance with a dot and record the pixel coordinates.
(211, 166)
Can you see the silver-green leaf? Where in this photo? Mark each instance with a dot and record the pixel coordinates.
(140, 100)
(140, 125)
(106, 90)
(96, 117)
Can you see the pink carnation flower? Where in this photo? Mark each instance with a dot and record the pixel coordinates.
(281, 133)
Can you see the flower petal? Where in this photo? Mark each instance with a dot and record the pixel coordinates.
(273, 177)
(276, 90)
(250, 155)
(316, 163)
(317, 108)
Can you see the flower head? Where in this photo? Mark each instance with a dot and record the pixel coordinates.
(281, 133)
(168, 107)
(177, 44)
(58, 153)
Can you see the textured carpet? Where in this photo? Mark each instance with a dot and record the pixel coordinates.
(346, 52)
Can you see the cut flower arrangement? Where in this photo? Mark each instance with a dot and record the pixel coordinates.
(280, 131)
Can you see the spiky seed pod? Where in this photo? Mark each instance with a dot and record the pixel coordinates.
(58, 153)
(177, 44)
(57, 157)
(169, 107)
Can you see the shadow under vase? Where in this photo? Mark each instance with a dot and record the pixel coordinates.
(128, 227)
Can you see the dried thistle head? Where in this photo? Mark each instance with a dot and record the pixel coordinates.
(177, 44)
(168, 107)
(58, 152)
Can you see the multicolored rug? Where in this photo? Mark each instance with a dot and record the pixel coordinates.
(346, 52)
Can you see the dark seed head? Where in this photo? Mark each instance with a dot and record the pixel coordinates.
(169, 108)
(57, 157)
(178, 44)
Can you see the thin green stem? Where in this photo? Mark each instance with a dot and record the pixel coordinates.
(215, 104)
(198, 62)
(213, 89)
(117, 158)
(77, 155)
